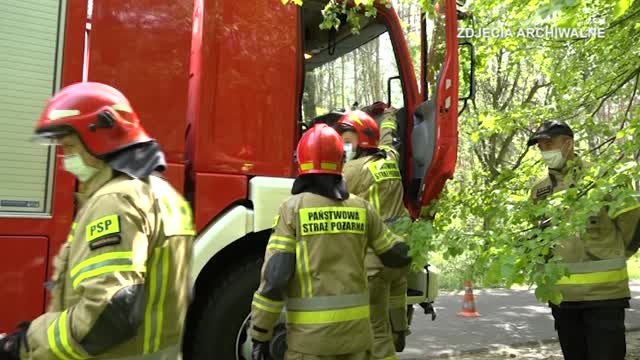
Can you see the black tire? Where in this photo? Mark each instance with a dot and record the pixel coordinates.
(228, 305)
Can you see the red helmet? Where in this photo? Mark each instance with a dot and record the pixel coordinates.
(100, 115)
(363, 125)
(320, 151)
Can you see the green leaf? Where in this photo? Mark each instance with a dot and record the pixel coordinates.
(621, 7)
(542, 293)
(475, 137)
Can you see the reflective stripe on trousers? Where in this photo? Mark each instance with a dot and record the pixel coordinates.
(595, 272)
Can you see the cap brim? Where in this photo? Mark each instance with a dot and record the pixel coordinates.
(534, 139)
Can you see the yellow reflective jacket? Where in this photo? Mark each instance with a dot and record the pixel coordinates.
(596, 260)
(120, 282)
(314, 266)
(378, 180)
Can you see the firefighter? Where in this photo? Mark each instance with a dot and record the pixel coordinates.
(314, 262)
(590, 318)
(120, 283)
(372, 172)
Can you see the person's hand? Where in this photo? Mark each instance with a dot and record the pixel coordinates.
(10, 343)
(376, 108)
(9, 347)
(260, 350)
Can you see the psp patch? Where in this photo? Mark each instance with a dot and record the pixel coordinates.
(103, 232)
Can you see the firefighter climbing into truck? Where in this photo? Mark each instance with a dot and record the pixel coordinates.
(220, 86)
(373, 174)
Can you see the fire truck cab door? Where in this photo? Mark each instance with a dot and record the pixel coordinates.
(434, 136)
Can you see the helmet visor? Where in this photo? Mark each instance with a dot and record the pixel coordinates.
(51, 136)
(342, 127)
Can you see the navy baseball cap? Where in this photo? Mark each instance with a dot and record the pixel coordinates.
(548, 130)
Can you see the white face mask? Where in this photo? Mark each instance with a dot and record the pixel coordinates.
(349, 154)
(74, 164)
(553, 159)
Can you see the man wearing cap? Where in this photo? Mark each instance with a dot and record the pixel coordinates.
(590, 318)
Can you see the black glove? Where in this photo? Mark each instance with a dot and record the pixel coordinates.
(10, 344)
(260, 350)
(399, 340)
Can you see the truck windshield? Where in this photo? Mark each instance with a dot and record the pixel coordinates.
(355, 79)
(436, 45)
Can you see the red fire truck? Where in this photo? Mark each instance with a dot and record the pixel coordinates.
(220, 85)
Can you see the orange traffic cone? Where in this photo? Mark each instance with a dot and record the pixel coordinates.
(469, 304)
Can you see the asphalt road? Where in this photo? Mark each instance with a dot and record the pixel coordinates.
(508, 317)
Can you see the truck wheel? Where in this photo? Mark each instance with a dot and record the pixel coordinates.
(220, 332)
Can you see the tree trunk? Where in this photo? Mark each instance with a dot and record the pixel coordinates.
(378, 82)
(355, 76)
(319, 79)
(342, 79)
(309, 100)
(331, 97)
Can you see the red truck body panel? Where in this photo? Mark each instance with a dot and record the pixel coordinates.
(243, 99)
(141, 47)
(22, 276)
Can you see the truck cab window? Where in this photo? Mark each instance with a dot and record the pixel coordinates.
(344, 71)
(361, 77)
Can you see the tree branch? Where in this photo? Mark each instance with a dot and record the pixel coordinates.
(505, 147)
(633, 95)
(624, 19)
(513, 89)
(606, 96)
(520, 158)
(533, 91)
(499, 81)
(594, 88)
(480, 157)
(492, 151)
(608, 141)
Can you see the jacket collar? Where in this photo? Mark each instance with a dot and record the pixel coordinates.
(570, 170)
(86, 190)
